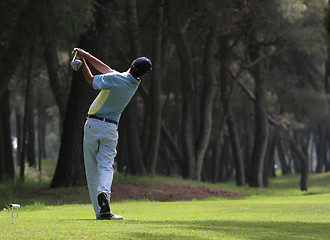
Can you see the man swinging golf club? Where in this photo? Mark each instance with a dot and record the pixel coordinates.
(100, 131)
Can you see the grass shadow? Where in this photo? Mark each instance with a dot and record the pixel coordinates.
(236, 229)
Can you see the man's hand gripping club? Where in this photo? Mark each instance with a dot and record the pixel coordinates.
(98, 64)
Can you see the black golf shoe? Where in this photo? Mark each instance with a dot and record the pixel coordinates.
(105, 212)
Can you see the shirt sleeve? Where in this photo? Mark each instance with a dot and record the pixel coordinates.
(102, 82)
(109, 81)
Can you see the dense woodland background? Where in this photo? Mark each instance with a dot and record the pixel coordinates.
(239, 88)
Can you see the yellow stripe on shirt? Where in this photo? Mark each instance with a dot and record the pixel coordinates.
(98, 102)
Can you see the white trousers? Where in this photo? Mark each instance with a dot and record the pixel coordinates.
(100, 142)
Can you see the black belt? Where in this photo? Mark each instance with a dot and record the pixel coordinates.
(103, 119)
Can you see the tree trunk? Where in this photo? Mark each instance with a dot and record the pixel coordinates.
(6, 155)
(2, 151)
(41, 135)
(155, 89)
(225, 99)
(208, 94)
(122, 157)
(261, 120)
(168, 139)
(173, 148)
(188, 91)
(30, 98)
(131, 136)
(19, 136)
(303, 165)
(24, 134)
(28, 122)
(226, 159)
(327, 163)
(327, 71)
(216, 160)
(271, 158)
(247, 146)
(281, 155)
(129, 141)
(269, 162)
(70, 167)
(321, 150)
(327, 38)
(261, 135)
(236, 149)
(326, 78)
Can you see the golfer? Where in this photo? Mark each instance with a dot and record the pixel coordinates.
(100, 131)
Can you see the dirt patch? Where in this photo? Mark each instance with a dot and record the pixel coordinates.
(157, 190)
(169, 192)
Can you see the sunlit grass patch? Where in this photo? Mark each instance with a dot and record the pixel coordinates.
(258, 217)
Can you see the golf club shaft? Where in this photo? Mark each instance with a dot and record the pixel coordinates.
(74, 56)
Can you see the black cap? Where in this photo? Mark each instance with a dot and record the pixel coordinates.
(141, 66)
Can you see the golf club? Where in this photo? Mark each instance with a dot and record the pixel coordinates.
(76, 63)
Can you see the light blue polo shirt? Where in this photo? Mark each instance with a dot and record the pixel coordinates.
(117, 89)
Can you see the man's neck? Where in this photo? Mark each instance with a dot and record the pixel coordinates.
(134, 75)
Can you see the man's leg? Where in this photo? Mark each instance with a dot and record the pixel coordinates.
(91, 146)
(105, 159)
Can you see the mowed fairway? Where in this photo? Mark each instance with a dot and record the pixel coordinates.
(257, 217)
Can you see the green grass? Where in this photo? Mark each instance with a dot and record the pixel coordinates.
(260, 217)
(280, 211)
(287, 186)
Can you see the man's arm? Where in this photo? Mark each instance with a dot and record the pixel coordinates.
(98, 64)
(87, 72)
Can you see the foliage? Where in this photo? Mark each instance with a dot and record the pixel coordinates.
(293, 52)
(69, 18)
(10, 10)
